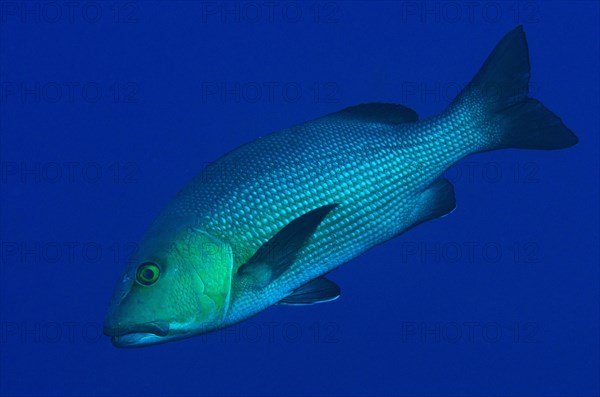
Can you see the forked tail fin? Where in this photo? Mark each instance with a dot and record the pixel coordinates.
(497, 99)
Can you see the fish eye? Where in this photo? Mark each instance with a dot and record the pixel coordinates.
(147, 273)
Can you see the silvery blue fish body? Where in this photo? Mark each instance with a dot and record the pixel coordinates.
(264, 223)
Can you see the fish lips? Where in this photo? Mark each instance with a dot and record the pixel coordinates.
(137, 334)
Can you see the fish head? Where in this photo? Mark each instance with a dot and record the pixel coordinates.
(176, 285)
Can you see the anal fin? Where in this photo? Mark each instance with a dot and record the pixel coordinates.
(436, 201)
(316, 291)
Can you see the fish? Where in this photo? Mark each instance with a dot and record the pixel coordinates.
(265, 223)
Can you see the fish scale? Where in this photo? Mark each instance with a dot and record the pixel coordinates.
(374, 171)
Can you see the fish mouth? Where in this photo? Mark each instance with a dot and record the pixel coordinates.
(138, 335)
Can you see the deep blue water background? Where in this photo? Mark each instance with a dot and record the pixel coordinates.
(110, 108)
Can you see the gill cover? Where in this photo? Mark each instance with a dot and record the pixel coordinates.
(177, 284)
(215, 270)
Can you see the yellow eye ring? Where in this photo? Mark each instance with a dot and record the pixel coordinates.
(147, 273)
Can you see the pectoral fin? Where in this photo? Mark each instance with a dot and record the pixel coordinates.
(275, 256)
(316, 291)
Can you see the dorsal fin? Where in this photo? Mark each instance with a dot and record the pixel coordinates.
(377, 112)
